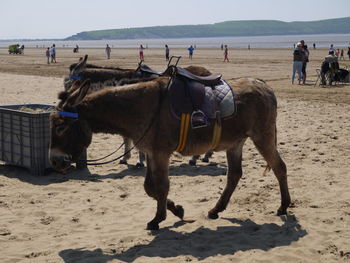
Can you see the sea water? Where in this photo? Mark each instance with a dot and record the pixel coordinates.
(280, 41)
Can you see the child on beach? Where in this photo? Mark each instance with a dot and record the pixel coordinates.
(141, 52)
(167, 51)
(226, 54)
(48, 55)
(190, 52)
(108, 51)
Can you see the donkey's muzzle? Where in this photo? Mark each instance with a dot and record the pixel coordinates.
(60, 163)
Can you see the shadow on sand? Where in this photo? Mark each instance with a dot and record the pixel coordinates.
(201, 243)
(52, 177)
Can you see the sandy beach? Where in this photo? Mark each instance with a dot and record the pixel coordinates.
(100, 214)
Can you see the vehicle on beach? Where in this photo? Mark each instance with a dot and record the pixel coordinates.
(16, 49)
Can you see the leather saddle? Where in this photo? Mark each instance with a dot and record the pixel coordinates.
(188, 93)
(210, 80)
(199, 96)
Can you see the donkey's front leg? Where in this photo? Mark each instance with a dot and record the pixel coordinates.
(157, 185)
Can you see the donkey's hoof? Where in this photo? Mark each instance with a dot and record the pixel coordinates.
(213, 215)
(152, 226)
(192, 162)
(123, 161)
(180, 212)
(205, 160)
(140, 165)
(281, 212)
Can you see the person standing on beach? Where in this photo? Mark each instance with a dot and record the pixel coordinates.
(349, 52)
(53, 53)
(337, 52)
(167, 51)
(298, 62)
(226, 54)
(108, 51)
(141, 52)
(48, 55)
(306, 54)
(190, 52)
(342, 55)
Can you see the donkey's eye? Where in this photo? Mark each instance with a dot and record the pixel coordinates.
(60, 129)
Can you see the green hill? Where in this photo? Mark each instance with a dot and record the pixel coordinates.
(223, 29)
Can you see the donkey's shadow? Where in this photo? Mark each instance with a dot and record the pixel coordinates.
(53, 177)
(201, 243)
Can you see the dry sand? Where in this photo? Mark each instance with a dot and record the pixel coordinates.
(100, 215)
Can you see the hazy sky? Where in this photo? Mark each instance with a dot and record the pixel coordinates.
(62, 18)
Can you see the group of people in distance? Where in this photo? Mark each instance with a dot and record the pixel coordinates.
(300, 60)
(330, 64)
(190, 50)
(51, 54)
(108, 51)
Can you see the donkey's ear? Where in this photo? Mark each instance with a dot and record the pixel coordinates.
(76, 85)
(78, 95)
(64, 95)
(80, 66)
(83, 91)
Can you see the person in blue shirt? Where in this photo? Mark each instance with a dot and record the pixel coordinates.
(190, 52)
(53, 53)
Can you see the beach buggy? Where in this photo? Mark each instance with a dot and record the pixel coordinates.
(15, 49)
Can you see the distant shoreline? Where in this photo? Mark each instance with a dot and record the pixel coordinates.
(274, 41)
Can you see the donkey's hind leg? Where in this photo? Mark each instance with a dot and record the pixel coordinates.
(140, 162)
(193, 160)
(234, 173)
(127, 148)
(266, 144)
(207, 156)
(157, 186)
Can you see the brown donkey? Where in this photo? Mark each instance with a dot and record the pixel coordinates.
(107, 77)
(142, 111)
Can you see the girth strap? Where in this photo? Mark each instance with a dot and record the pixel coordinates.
(216, 133)
(185, 123)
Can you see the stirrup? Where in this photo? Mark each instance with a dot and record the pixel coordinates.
(198, 119)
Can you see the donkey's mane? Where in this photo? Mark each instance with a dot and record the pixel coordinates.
(72, 66)
(129, 90)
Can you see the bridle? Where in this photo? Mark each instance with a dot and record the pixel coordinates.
(76, 116)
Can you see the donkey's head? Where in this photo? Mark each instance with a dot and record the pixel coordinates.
(74, 71)
(70, 134)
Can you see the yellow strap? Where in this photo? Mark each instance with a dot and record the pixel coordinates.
(216, 134)
(185, 121)
(185, 124)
